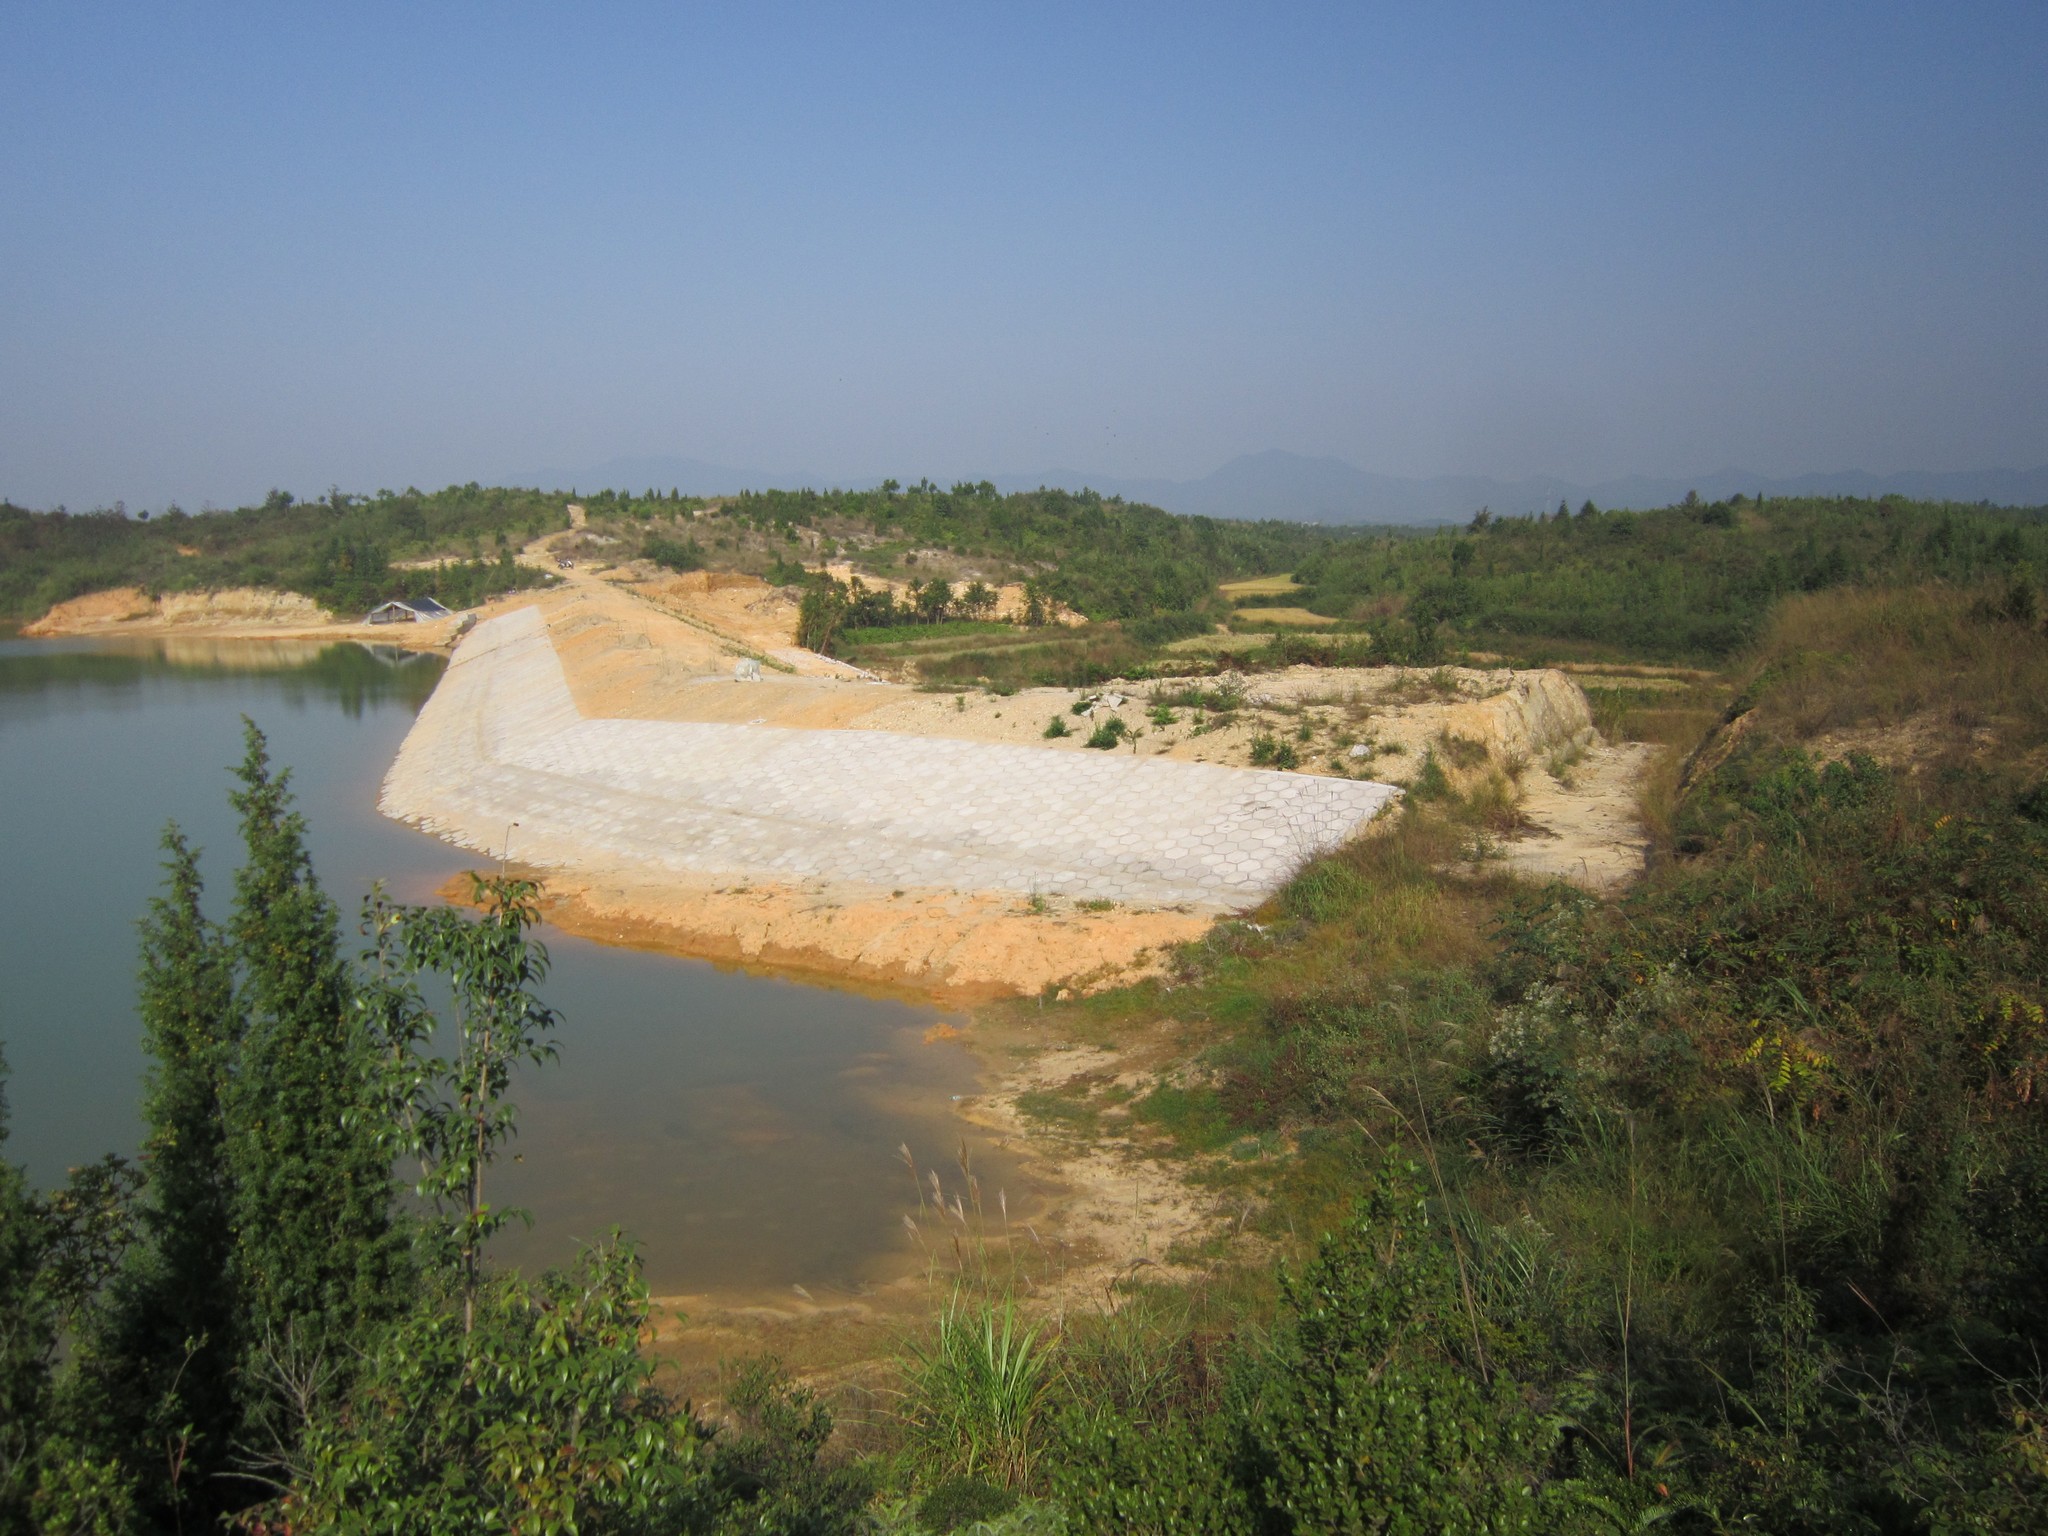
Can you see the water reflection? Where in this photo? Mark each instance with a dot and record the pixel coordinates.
(353, 677)
(745, 1128)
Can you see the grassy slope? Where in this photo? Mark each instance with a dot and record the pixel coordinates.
(1679, 584)
(1741, 1173)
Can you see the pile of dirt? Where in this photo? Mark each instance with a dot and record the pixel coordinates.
(243, 606)
(94, 611)
(240, 607)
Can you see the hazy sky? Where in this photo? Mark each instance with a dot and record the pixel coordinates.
(295, 245)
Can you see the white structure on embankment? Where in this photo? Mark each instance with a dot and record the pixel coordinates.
(502, 741)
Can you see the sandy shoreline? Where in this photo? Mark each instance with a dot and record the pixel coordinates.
(947, 947)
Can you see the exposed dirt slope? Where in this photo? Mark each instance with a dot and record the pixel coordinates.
(130, 610)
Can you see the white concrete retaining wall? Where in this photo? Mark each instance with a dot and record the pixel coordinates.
(501, 741)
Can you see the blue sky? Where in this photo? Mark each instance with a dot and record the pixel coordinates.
(373, 245)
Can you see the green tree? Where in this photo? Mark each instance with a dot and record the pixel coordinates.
(156, 1380)
(819, 617)
(452, 1113)
(315, 1251)
(77, 1238)
(933, 599)
(979, 600)
(539, 1416)
(28, 1337)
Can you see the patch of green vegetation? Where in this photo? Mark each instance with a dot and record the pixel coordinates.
(673, 554)
(1194, 1117)
(1218, 699)
(1067, 1109)
(1696, 581)
(910, 639)
(1105, 558)
(1715, 1131)
(1462, 752)
(1268, 752)
(1430, 783)
(338, 550)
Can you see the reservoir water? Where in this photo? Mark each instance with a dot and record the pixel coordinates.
(744, 1128)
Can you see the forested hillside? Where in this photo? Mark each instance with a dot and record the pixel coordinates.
(337, 551)
(1690, 582)
(1106, 558)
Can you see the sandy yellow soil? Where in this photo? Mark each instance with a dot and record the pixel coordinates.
(958, 947)
(1584, 827)
(236, 613)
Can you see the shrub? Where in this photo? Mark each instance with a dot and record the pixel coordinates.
(1430, 781)
(1372, 1412)
(786, 573)
(1165, 628)
(1269, 753)
(959, 1501)
(1382, 1416)
(1056, 728)
(1106, 734)
(770, 1465)
(545, 1411)
(673, 554)
(976, 1391)
(1155, 1480)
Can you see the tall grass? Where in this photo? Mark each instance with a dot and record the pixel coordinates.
(1950, 655)
(977, 1388)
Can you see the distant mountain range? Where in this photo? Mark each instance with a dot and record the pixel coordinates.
(1319, 490)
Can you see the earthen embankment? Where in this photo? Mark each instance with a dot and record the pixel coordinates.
(503, 761)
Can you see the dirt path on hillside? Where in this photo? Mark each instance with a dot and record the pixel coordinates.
(1585, 827)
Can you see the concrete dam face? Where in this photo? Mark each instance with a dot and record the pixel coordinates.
(502, 741)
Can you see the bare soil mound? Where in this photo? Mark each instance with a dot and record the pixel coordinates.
(240, 607)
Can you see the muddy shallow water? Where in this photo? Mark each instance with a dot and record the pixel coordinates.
(743, 1127)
